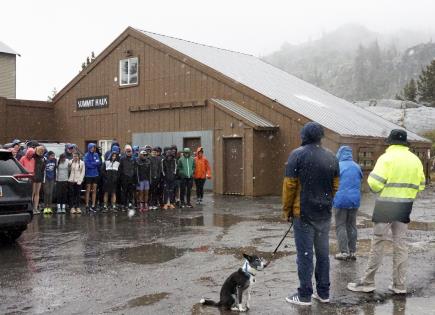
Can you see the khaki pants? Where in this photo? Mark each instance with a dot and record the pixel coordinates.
(400, 253)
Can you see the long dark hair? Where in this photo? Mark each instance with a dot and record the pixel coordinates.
(62, 159)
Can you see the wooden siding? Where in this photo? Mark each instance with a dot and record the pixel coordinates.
(8, 75)
(25, 119)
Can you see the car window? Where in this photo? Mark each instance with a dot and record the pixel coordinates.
(8, 166)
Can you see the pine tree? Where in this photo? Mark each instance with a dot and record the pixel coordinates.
(426, 84)
(410, 91)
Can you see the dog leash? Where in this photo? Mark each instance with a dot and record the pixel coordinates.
(276, 249)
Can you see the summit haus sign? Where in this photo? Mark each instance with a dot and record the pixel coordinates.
(93, 102)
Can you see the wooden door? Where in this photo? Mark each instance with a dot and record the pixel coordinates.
(233, 166)
(192, 144)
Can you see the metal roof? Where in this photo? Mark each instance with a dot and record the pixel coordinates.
(252, 118)
(6, 49)
(308, 100)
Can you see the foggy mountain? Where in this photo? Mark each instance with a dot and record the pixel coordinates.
(355, 63)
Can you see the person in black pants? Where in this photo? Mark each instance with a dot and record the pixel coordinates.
(186, 169)
(169, 171)
(127, 174)
(201, 174)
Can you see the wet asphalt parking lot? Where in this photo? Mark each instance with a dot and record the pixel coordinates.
(163, 262)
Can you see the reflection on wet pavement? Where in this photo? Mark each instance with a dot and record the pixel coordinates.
(163, 262)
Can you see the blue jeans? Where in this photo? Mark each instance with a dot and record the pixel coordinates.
(308, 235)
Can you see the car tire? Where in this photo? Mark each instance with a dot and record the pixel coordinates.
(10, 236)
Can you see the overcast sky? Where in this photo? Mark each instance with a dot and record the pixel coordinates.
(54, 37)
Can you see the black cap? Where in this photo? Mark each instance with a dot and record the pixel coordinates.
(398, 136)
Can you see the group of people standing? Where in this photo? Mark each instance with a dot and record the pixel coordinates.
(316, 181)
(137, 178)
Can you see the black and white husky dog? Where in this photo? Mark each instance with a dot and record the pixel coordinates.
(239, 283)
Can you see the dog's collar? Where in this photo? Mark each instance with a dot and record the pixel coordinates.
(246, 268)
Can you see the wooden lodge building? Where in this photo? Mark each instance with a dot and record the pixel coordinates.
(146, 88)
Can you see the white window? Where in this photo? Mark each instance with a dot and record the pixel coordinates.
(128, 71)
(105, 146)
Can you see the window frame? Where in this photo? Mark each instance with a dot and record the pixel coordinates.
(120, 64)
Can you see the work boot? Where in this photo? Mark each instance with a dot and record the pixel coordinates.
(342, 256)
(360, 287)
(396, 290)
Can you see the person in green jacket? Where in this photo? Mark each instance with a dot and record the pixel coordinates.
(186, 169)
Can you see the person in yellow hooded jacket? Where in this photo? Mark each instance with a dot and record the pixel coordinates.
(397, 177)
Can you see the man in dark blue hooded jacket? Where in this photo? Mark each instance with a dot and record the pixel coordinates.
(346, 204)
(310, 183)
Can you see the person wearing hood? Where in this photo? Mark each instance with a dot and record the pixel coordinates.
(310, 183)
(110, 173)
(38, 177)
(169, 173)
(398, 177)
(127, 177)
(114, 147)
(346, 204)
(28, 161)
(155, 179)
(201, 174)
(186, 169)
(92, 165)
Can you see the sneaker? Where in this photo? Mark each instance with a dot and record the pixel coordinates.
(178, 203)
(59, 208)
(36, 211)
(317, 297)
(198, 201)
(73, 210)
(93, 210)
(47, 211)
(105, 209)
(78, 211)
(171, 206)
(189, 205)
(63, 208)
(352, 256)
(360, 287)
(166, 207)
(114, 209)
(296, 299)
(182, 205)
(342, 256)
(396, 290)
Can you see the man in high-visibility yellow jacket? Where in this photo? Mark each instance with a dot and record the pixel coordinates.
(398, 176)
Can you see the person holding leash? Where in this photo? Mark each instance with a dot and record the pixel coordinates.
(398, 176)
(310, 183)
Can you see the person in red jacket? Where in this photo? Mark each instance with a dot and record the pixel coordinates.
(28, 161)
(202, 173)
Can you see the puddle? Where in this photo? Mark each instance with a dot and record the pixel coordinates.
(148, 254)
(251, 250)
(216, 219)
(413, 225)
(142, 301)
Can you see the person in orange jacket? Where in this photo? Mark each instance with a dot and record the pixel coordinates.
(201, 174)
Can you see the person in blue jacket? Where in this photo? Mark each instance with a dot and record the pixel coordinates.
(346, 204)
(92, 166)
